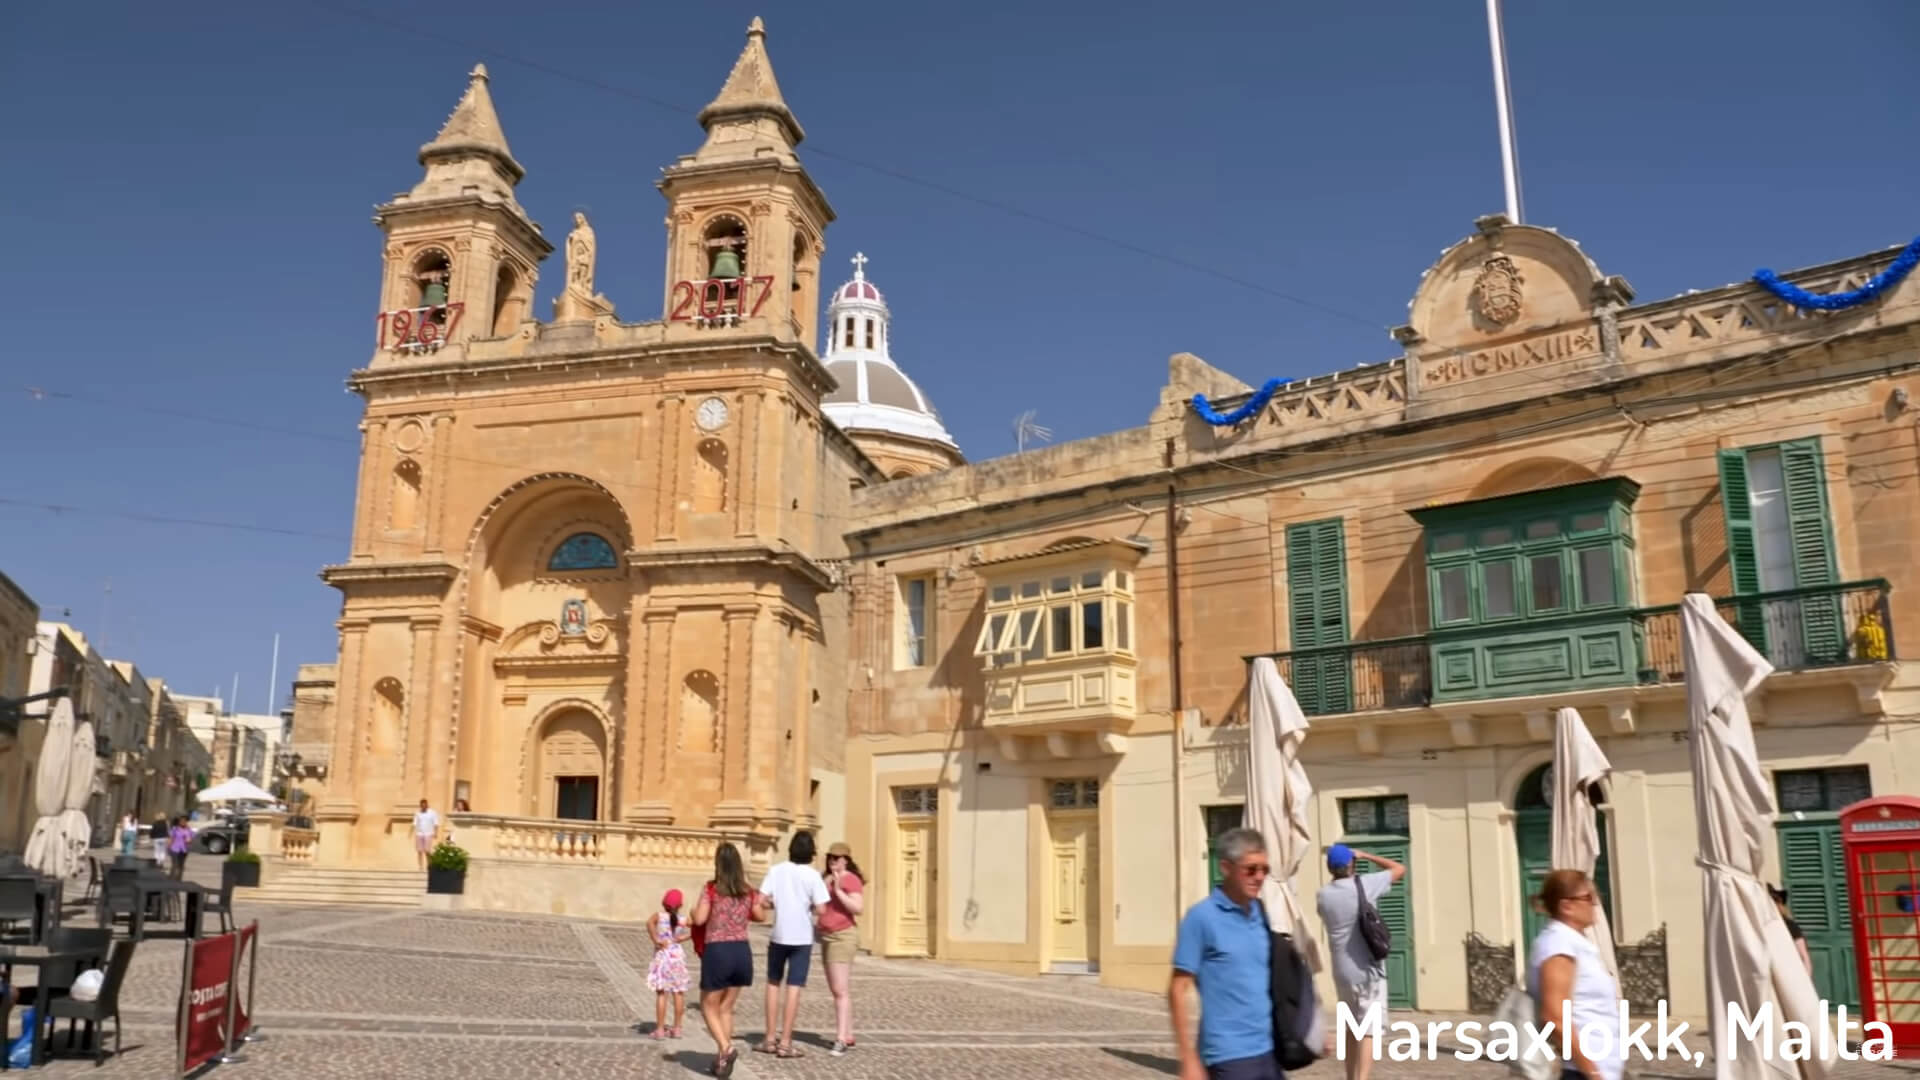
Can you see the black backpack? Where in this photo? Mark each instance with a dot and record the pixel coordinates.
(1294, 1006)
(1373, 929)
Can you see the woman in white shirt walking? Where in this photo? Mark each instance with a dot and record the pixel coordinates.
(1567, 979)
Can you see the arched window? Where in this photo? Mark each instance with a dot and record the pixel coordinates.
(404, 510)
(710, 477)
(506, 305)
(584, 551)
(700, 713)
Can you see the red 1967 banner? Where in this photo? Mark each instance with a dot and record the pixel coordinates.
(210, 966)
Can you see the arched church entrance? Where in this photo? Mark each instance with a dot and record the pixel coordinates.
(1533, 836)
(572, 773)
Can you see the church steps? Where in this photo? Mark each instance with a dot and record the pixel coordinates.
(346, 887)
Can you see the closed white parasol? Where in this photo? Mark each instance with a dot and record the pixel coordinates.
(1751, 961)
(62, 787)
(1278, 794)
(1578, 764)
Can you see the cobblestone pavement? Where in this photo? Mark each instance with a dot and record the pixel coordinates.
(361, 993)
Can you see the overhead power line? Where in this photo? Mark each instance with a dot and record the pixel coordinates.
(438, 36)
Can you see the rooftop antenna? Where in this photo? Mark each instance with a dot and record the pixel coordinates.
(1024, 429)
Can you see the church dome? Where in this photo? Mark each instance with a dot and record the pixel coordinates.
(860, 289)
(874, 395)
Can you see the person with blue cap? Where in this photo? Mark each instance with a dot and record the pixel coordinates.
(1359, 977)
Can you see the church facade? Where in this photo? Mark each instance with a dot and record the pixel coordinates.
(618, 590)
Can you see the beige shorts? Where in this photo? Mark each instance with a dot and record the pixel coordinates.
(839, 946)
(1369, 994)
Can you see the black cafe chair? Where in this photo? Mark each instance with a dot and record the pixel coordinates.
(19, 901)
(97, 1012)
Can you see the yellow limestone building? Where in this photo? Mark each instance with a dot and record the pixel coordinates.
(1047, 724)
(594, 588)
(625, 588)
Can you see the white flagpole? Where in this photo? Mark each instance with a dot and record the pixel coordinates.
(273, 679)
(1503, 97)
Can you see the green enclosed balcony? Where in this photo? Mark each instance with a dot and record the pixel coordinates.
(1796, 630)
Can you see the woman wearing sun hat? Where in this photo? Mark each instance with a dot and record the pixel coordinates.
(839, 940)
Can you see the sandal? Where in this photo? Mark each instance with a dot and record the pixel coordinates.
(790, 1051)
(659, 1033)
(767, 1046)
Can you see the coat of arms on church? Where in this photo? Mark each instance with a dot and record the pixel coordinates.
(573, 618)
(1496, 292)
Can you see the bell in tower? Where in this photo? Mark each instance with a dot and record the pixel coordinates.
(726, 265)
(433, 289)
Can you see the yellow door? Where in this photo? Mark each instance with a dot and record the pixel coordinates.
(913, 889)
(1075, 880)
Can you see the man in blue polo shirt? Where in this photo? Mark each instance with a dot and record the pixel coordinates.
(1224, 952)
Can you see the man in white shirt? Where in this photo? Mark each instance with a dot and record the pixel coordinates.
(798, 896)
(426, 826)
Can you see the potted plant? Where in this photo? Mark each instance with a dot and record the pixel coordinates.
(242, 868)
(447, 868)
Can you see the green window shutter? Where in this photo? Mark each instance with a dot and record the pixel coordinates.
(1809, 525)
(1743, 558)
(1317, 614)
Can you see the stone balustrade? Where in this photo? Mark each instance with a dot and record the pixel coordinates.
(602, 843)
(297, 845)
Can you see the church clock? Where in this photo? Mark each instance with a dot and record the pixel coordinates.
(712, 414)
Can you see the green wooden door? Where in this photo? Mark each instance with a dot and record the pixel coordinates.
(1814, 872)
(1533, 836)
(1220, 820)
(1396, 910)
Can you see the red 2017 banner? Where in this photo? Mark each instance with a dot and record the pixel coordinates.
(209, 981)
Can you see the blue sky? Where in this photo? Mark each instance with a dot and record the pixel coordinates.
(192, 272)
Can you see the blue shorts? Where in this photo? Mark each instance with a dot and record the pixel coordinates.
(1262, 1067)
(792, 959)
(725, 965)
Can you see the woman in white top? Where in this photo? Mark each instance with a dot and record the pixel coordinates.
(1565, 976)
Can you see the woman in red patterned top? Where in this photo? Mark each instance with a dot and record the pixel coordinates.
(726, 906)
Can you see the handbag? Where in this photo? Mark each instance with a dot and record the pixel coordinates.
(1516, 1009)
(1296, 1014)
(1373, 929)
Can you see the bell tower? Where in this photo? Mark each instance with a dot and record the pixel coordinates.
(462, 255)
(746, 225)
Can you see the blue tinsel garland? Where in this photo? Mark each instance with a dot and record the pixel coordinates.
(1881, 282)
(1792, 294)
(1254, 404)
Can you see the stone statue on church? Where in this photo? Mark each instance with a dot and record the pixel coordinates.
(578, 300)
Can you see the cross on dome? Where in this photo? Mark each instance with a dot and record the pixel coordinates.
(859, 288)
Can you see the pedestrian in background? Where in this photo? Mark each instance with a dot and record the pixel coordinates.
(179, 840)
(668, 972)
(726, 961)
(839, 940)
(798, 896)
(1565, 975)
(1225, 952)
(1359, 978)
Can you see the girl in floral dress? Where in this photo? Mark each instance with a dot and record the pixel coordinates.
(668, 972)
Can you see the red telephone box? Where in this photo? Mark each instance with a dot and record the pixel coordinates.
(1881, 839)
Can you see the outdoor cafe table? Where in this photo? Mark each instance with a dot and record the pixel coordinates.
(151, 885)
(41, 957)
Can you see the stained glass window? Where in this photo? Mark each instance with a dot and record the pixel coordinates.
(583, 551)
